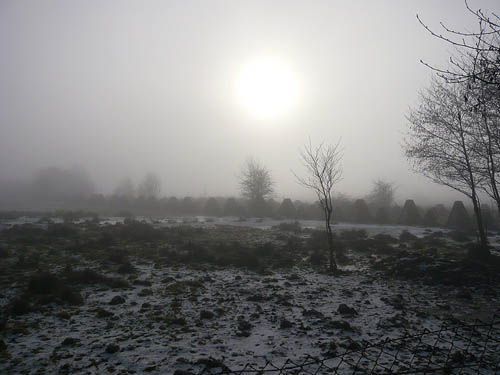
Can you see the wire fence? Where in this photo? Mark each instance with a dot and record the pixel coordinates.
(458, 349)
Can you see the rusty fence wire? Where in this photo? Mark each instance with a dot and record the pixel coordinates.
(453, 349)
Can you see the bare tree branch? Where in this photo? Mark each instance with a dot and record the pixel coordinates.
(478, 52)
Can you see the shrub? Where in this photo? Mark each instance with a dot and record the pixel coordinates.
(434, 240)
(118, 256)
(137, 231)
(342, 258)
(126, 214)
(289, 227)
(294, 243)
(196, 253)
(317, 240)
(229, 248)
(353, 234)
(476, 252)
(223, 261)
(283, 259)
(51, 287)
(20, 306)
(4, 253)
(387, 238)
(61, 230)
(459, 236)
(317, 258)
(27, 234)
(69, 216)
(71, 296)
(360, 245)
(406, 236)
(88, 276)
(266, 249)
(437, 234)
(28, 261)
(127, 268)
(106, 239)
(247, 259)
(44, 283)
(339, 246)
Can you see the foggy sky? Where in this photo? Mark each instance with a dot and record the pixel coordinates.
(127, 87)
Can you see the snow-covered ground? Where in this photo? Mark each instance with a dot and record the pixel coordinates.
(209, 221)
(232, 315)
(174, 317)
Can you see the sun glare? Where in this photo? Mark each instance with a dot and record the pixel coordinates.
(267, 88)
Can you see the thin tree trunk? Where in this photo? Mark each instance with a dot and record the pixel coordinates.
(491, 163)
(329, 234)
(483, 239)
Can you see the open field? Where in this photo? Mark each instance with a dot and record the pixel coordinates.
(176, 296)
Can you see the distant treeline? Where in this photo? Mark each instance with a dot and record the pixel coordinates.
(345, 210)
(71, 190)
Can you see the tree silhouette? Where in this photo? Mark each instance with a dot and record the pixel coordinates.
(324, 170)
(440, 144)
(150, 186)
(256, 185)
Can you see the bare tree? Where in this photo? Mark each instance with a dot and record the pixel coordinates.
(476, 64)
(255, 181)
(440, 143)
(324, 170)
(150, 186)
(62, 183)
(486, 131)
(382, 194)
(125, 188)
(478, 52)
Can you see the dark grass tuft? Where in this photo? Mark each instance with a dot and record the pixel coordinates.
(89, 276)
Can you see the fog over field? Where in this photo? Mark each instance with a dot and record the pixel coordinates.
(196, 187)
(122, 88)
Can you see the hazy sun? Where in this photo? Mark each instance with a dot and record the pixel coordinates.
(267, 87)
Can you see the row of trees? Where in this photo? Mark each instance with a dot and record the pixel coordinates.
(73, 188)
(454, 133)
(54, 183)
(149, 187)
(346, 210)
